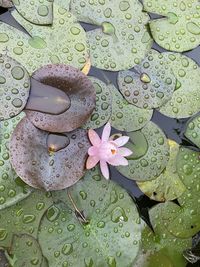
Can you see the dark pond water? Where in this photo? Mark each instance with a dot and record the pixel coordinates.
(173, 128)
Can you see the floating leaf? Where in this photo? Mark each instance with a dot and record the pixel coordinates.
(95, 224)
(37, 12)
(80, 91)
(151, 84)
(168, 185)
(52, 165)
(103, 108)
(122, 39)
(14, 87)
(193, 130)
(179, 30)
(185, 101)
(23, 217)
(26, 251)
(127, 117)
(45, 45)
(152, 159)
(6, 3)
(12, 189)
(162, 242)
(63, 3)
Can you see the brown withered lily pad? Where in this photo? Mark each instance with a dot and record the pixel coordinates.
(48, 161)
(80, 91)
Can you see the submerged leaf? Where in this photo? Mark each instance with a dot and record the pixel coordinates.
(151, 84)
(94, 223)
(14, 87)
(193, 130)
(40, 164)
(179, 30)
(45, 44)
(168, 185)
(149, 164)
(103, 108)
(12, 189)
(185, 100)
(127, 117)
(121, 39)
(80, 91)
(37, 12)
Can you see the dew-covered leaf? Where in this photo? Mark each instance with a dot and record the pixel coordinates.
(125, 116)
(103, 108)
(154, 157)
(179, 30)
(168, 185)
(50, 164)
(23, 217)
(6, 3)
(35, 11)
(80, 91)
(122, 39)
(151, 84)
(95, 224)
(185, 100)
(63, 3)
(14, 87)
(162, 242)
(12, 189)
(193, 130)
(25, 251)
(45, 44)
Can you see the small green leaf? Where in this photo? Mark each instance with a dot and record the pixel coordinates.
(193, 130)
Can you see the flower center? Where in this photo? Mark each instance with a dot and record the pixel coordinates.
(113, 151)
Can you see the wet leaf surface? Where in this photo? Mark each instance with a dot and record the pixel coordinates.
(111, 231)
(150, 85)
(78, 88)
(35, 11)
(14, 87)
(153, 159)
(45, 167)
(12, 189)
(179, 27)
(168, 185)
(185, 100)
(193, 130)
(125, 116)
(120, 26)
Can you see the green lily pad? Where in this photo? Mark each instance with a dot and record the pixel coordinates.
(127, 117)
(46, 45)
(12, 189)
(162, 242)
(6, 3)
(63, 3)
(179, 30)
(37, 12)
(184, 220)
(95, 224)
(103, 108)
(14, 87)
(185, 100)
(23, 217)
(151, 84)
(168, 185)
(122, 39)
(155, 158)
(193, 130)
(44, 262)
(25, 251)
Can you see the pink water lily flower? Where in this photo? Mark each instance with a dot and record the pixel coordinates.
(107, 151)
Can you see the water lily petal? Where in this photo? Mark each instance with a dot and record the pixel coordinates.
(118, 160)
(121, 140)
(91, 162)
(104, 169)
(93, 151)
(125, 152)
(94, 138)
(106, 132)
